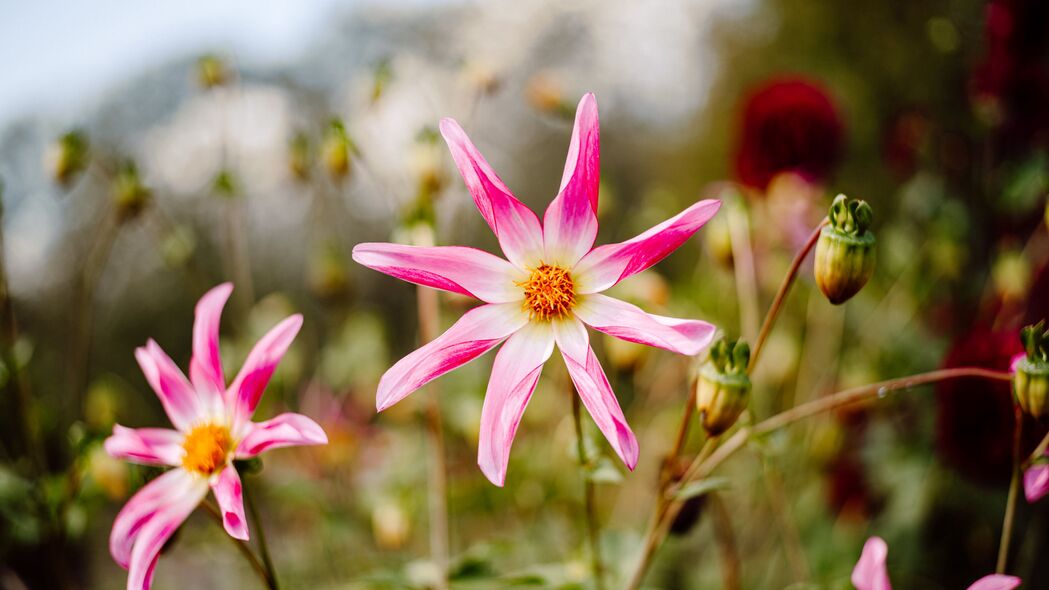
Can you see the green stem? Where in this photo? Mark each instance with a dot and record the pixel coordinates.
(593, 530)
(260, 535)
(241, 546)
(1010, 503)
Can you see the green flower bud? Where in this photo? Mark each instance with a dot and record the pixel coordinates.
(130, 195)
(67, 157)
(212, 71)
(336, 150)
(300, 156)
(723, 387)
(845, 250)
(1031, 372)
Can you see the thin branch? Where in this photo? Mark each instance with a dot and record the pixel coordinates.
(1014, 487)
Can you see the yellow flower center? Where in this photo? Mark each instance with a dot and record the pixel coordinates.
(549, 292)
(207, 447)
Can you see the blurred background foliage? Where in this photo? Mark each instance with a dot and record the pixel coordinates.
(120, 211)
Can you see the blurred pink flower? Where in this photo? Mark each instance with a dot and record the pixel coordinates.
(214, 427)
(1036, 481)
(544, 294)
(870, 572)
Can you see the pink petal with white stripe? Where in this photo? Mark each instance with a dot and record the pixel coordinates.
(515, 374)
(244, 393)
(870, 572)
(166, 490)
(155, 532)
(570, 222)
(477, 332)
(516, 226)
(606, 265)
(175, 392)
(230, 495)
(149, 446)
(205, 367)
(1036, 482)
(467, 271)
(594, 390)
(996, 582)
(629, 322)
(285, 430)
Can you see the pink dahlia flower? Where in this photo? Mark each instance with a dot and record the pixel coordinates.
(212, 427)
(870, 572)
(545, 293)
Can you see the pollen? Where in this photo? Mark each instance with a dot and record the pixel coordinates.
(206, 449)
(549, 292)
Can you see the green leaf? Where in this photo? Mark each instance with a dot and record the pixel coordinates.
(702, 487)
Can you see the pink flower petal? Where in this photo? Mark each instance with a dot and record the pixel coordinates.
(870, 572)
(244, 393)
(157, 530)
(205, 368)
(149, 446)
(996, 582)
(477, 332)
(1036, 482)
(467, 271)
(629, 322)
(229, 494)
(166, 490)
(514, 377)
(594, 390)
(171, 386)
(285, 430)
(517, 228)
(570, 222)
(606, 265)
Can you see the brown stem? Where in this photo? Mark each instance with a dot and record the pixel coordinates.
(437, 490)
(241, 546)
(1039, 451)
(682, 430)
(593, 530)
(706, 462)
(1014, 488)
(784, 289)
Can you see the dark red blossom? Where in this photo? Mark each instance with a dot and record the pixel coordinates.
(789, 124)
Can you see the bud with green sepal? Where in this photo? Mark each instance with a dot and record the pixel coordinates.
(67, 157)
(336, 150)
(845, 250)
(212, 71)
(1031, 371)
(723, 387)
(130, 195)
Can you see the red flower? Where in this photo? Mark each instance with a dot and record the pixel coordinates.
(789, 124)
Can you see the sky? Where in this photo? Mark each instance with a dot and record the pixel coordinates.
(58, 55)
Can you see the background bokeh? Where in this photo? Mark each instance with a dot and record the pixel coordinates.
(148, 153)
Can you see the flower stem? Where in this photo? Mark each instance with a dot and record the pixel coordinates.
(1014, 488)
(260, 534)
(241, 546)
(1038, 452)
(593, 530)
(713, 455)
(437, 488)
(784, 289)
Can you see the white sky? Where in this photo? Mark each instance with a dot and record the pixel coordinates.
(57, 55)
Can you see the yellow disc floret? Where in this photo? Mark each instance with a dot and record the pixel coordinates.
(207, 449)
(549, 292)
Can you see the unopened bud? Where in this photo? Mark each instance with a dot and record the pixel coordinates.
(426, 162)
(212, 71)
(546, 95)
(336, 150)
(845, 250)
(723, 387)
(67, 157)
(130, 195)
(718, 240)
(225, 184)
(1031, 372)
(300, 156)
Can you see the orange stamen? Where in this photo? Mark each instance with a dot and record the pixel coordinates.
(207, 449)
(549, 292)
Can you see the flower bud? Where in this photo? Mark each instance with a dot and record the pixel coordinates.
(336, 150)
(845, 250)
(212, 71)
(546, 95)
(130, 196)
(300, 156)
(723, 388)
(1031, 371)
(225, 184)
(426, 162)
(67, 157)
